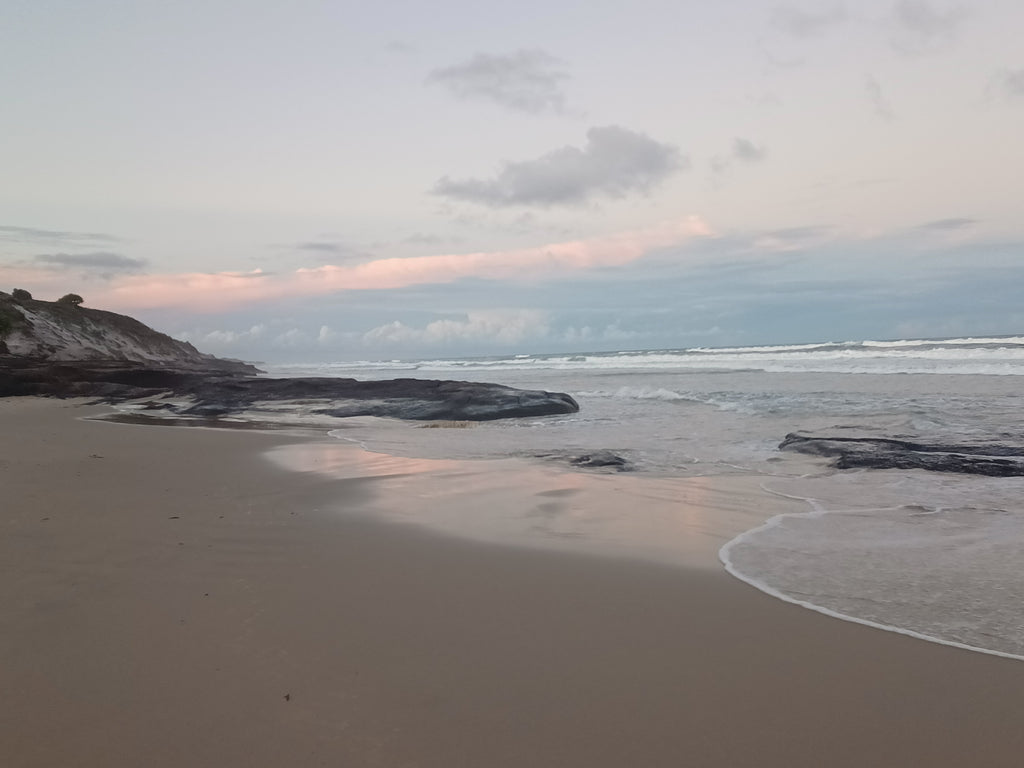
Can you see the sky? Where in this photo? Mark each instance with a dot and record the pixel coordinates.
(314, 180)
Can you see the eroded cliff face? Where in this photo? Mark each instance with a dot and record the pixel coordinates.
(62, 332)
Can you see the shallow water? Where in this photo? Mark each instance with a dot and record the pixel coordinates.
(933, 554)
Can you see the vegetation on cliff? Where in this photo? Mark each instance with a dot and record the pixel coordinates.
(64, 330)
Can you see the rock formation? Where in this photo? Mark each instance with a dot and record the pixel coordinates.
(61, 349)
(1004, 459)
(62, 331)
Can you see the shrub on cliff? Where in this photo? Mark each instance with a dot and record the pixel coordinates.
(70, 298)
(20, 294)
(8, 317)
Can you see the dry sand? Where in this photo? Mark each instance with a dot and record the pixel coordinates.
(171, 598)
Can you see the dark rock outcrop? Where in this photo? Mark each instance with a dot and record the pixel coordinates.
(866, 452)
(600, 459)
(413, 399)
(213, 394)
(597, 459)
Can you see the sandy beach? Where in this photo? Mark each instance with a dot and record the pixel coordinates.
(170, 597)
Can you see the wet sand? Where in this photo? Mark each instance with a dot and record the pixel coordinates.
(172, 598)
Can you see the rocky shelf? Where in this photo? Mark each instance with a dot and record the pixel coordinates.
(63, 349)
(231, 391)
(995, 459)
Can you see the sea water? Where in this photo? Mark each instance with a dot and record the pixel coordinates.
(936, 555)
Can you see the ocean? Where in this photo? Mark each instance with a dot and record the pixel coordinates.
(935, 555)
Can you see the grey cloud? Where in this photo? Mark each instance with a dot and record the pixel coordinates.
(32, 234)
(743, 151)
(746, 151)
(98, 264)
(614, 163)
(920, 28)
(949, 224)
(322, 246)
(1011, 82)
(801, 23)
(526, 80)
(799, 233)
(98, 260)
(775, 62)
(400, 46)
(879, 104)
(419, 238)
(333, 251)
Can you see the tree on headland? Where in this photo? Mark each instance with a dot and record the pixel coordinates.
(20, 294)
(70, 298)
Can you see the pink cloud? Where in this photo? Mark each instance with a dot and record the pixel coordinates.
(219, 290)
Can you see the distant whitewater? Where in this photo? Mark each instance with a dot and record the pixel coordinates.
(1002, 355)
(935, 555)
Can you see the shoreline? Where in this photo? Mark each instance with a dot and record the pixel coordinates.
(756, 583)
(551, 525)
(185, 601)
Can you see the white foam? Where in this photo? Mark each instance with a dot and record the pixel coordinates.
(639, 393)
(977, 356)
(818, 511)
(999, 341)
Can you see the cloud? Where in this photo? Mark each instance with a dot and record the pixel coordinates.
(807, 232)
(747, 152)
(420, 238)
(526, 80)
(879, 104)
(614, 163)
(920, 28)
(742, 151)
(946, 225)
(800, 23)
(102, 263)
(792, 238)
(214, 292)
(331, 251)
(774, 62)
(323, 247)
(41, 282)
(34, 235)
(259, 335)
(501, 327)
(400, 46)
(294, 337)
(1011, 83)
(220, 338)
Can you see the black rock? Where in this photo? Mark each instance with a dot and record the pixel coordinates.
(599, 459)
(1004, 459)
(413, 399)
(215, 393)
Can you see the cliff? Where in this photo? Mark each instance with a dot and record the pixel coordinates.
(56, 331)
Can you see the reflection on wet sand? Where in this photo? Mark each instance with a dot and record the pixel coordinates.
(681, 521)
